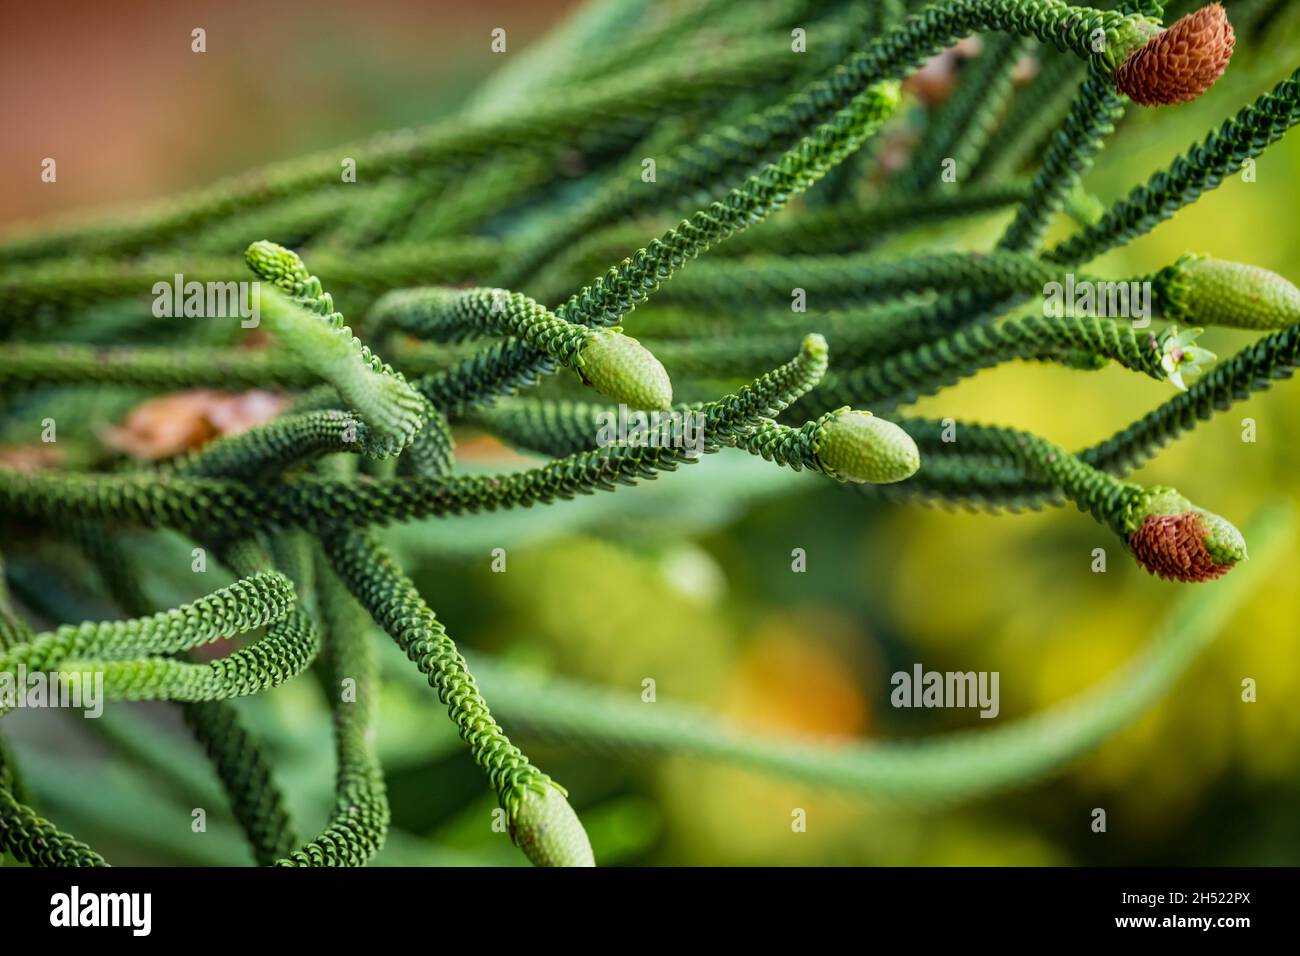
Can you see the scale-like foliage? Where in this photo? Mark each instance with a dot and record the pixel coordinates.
(465, 259)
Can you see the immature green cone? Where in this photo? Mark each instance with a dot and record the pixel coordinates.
(1215, 292)
(1176, 540)
(544, 826)
(620, 367)
(859, 447)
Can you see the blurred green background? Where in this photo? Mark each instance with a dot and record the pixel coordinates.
(687, 579)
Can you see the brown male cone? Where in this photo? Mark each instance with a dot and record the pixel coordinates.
(1179, 64)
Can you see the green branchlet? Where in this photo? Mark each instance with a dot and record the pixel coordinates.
(615, 365)
(304, 316)
(276, 487)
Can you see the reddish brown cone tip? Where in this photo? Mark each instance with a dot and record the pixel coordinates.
(1181, 63)
(1173, 547)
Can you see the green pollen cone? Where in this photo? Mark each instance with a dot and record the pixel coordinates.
(859, 447)
(1231, 294)
(622, 368)
(544, 826)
